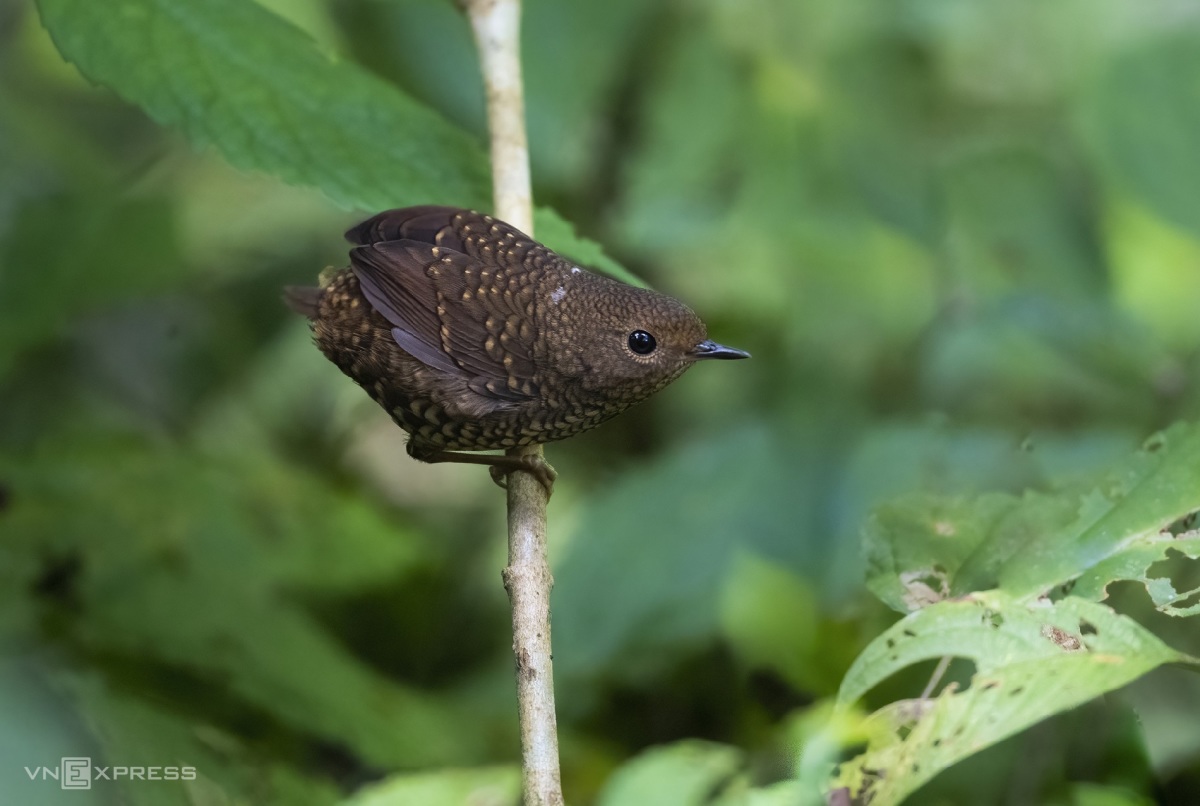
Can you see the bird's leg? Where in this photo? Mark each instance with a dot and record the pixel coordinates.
(535, 465)
(499, 465)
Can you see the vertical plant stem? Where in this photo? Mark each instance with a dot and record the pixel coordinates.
(497, 28)
(496, 24)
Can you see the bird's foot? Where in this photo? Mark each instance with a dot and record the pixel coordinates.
(499, 466)
(536, 466)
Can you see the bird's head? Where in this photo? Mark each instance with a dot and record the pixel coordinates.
(630, 342)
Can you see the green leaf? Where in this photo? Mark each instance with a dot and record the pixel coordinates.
(915, 544)
(1147, 493)
(682, 774)
(784, 793)
(923, 548)
(950, 539)
(488, 786)
(694, 773)
(1143, 119)
(1032, 661)
(233, 75)
(1134, 562)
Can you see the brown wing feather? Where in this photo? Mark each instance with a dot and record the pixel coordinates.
(424, 223)
(430, 296)
(480, 236)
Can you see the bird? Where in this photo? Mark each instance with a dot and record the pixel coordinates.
(475, 337)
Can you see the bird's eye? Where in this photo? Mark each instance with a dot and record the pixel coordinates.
(642, 342)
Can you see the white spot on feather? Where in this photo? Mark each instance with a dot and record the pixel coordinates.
(557, 295)
(574, 270)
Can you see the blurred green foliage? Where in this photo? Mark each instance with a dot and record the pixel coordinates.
(962, 241)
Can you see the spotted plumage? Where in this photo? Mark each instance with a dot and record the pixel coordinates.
(475, 337)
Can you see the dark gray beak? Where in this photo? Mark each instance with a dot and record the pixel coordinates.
(710, 349)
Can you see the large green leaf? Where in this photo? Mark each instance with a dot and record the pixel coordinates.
(1032, 661)
(233, 75)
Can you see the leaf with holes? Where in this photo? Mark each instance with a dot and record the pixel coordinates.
(1032, 661)
(924, 548)
(915, 544)
(1138, 561)
(1144, 495)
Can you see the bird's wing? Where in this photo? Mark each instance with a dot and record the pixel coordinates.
(453, 313)
(425, 224)
(480, 236)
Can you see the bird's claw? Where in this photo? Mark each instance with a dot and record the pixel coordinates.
(536, 466)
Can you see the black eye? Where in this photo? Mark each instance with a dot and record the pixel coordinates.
(642, 342)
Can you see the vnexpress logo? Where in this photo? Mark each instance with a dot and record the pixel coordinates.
(78, 772)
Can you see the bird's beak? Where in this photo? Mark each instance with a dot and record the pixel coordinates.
(710, 349)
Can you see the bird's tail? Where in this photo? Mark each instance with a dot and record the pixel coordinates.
(303, 299)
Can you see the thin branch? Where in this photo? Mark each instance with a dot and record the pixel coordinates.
(496, 24)
(936, 678)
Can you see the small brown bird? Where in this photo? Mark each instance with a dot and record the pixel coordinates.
(475, 337)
